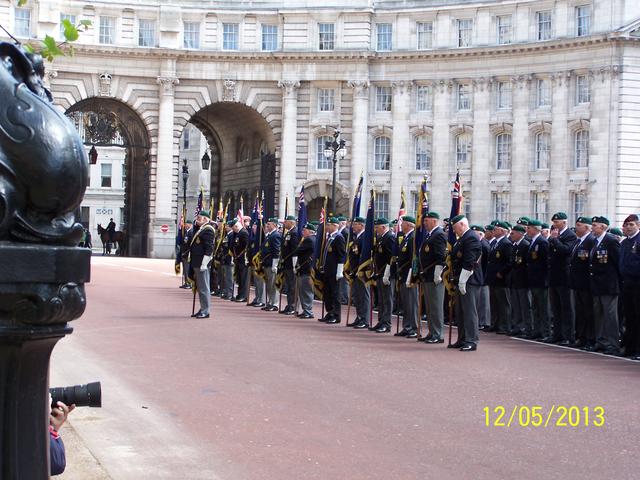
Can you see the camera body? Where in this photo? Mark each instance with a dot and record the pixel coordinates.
(87, 395)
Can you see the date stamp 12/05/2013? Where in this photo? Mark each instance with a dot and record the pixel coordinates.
(537, 416)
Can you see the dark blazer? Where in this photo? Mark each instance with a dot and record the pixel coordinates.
(270, 248)
(559, 252)
(304, 252)
(538, 263)
(518, 276)
(239, 246)
(201, 245)
(630, 260)
(484, 260)
(405, 256)
(335, 253)
(289, 245)
(466, 254)
(353, 253)
(604, 262)
(499, 262)
(579, 264)
(384, 252)
(433, 251)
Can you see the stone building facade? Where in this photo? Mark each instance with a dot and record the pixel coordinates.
(533, 101)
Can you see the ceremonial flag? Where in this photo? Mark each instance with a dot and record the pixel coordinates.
(279, 281)
(256, 261)
(220, 214)
(302, 213)
(401, 212)
(355, 212)
(181, 227)
(422, 208)
(254, 219)
(318, 267)
(365, 269)
(199, 203)
(456, 206)
(240, 214)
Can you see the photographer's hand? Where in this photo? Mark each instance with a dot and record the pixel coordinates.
(59, 415)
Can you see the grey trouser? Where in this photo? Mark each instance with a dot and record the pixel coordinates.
(521, 308)
(409, 302)
(563, 312)
(484, 307)
(227, 280)
(467, 314)
(343, 290)
(305, 293)
(290, 288)
(204, 295)
(501, 309)
(434, 305)
(605, 314)
(385, 303)
(259, 285)
(185, 271)
(540, 312)
(270, 283)
(362, 299)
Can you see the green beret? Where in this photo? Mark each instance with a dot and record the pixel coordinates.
(598, 219)
(394, 222)
(359, 220)
(559, 216)
(314, 222)
(545, 226)
(489, 227)
(232, 222)
(534, 223)
(204, 213)
(341, 218)
(381, 221)
(456, 219)
(508, 224)
(504, 225)
(523, 221)
(519, 228)
(445, 220)
(495, 222)
(273, 220)
(290, 217)
(333, 220)
(586, 220)
(477, 228)
(433, 215)
(310, 226)
(616, 231)
(408, 218)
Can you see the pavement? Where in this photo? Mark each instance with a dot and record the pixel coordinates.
(253, 395)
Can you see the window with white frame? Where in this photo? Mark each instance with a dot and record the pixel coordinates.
(63, 17)
(542, 152)
(503, 96)
(466, 204)
(326, 36)
(22, 22)
(107, 30)
(105, 175)
(124, 175)
(384, 37)
(382, 153)
(583, 20)
(463, 150)
(381, 205)
(425, 35)
(582, 90)
(191, 35)
(146, 33)
(423, 152)
(543, 93)
(464, 96)
(326, 99)
(503, 24)
(269, 38)
(581, 149)
(186, 139)
(412, 208)
(543, 25)
(230, 34)
(500, 205)
(322, 162)
(503, 151)
(539, 205)
(424, 98)
(579, 205)
(383, 99)
(465, 29)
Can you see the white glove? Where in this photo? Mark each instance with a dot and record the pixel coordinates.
(437, 274)
(294, 261)
(408, 282)
(205, 262)
(465, 275)
(274, 265)
(340, 272)
(387, 275)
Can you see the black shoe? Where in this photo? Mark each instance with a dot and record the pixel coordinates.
(202, 315)
(383, 329)
(468, 347)
(434, 340)
(258, 304)
(375, 327)
(565, 343)
(325, 318)
(288, 312)
(401, 333)
(252, 304)
(195, 314)
(216, 294)
(240, 299)
(305, 315)
(266, 308)
(589, 348)
(458, 344)
(424, 339)
(333, 320)
(361, 325)
(515, 333)
(272, 308)
(547, 340)
(354, 323)
(412, 335)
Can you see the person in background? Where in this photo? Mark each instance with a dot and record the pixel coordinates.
(57, 455)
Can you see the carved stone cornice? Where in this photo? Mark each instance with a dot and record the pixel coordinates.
(360, 88)
(290, 87)
(479, 84)
(168, 84)
(401, 86)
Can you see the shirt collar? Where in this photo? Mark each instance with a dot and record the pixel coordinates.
(533, 239)
(634, 236)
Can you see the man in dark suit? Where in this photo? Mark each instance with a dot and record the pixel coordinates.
(383, 255)
(333, 257)
(344, 230)
(303, 256)
(239, 253)
(605, 286)
(630, 272)
(561, 242)
(289, 244)
(519, 291)
(498, 270)
(538, 279)
(256, 273)
(226, 260)
(269, 254)
(466, 256)
(484, 307)
(360, 295)
(580, 284)
(433, 253)
(200, 254)
(408, 301)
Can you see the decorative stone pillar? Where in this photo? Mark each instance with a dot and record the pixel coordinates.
(288, 151)
(561, 160)
(400, 142)
(359, 135)
(441, 180)
(519, 201)
(482, 161)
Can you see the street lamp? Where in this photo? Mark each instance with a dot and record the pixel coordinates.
(206, 161)
(331, 151)
(185, 177)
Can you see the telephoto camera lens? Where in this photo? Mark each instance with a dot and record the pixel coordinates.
(87, 395)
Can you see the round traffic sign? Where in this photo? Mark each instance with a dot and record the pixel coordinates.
(164, 228)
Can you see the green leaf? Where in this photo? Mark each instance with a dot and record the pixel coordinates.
(51, 47)
(70, 31)
(29, 48)
(21, 2)
(85, 23)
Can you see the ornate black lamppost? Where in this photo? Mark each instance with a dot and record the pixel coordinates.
(331, 151)
(185, 177)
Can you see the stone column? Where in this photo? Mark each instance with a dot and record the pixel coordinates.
(359, 135)
(519, 202)
(482, 161)
(162, 243)
(400, 142)
(441, 178)
(561, 160)
(289, 140)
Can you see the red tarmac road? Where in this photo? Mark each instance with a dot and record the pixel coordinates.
(251, 395)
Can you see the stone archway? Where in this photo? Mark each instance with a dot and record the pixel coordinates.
(119, 134)
(316, 190)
